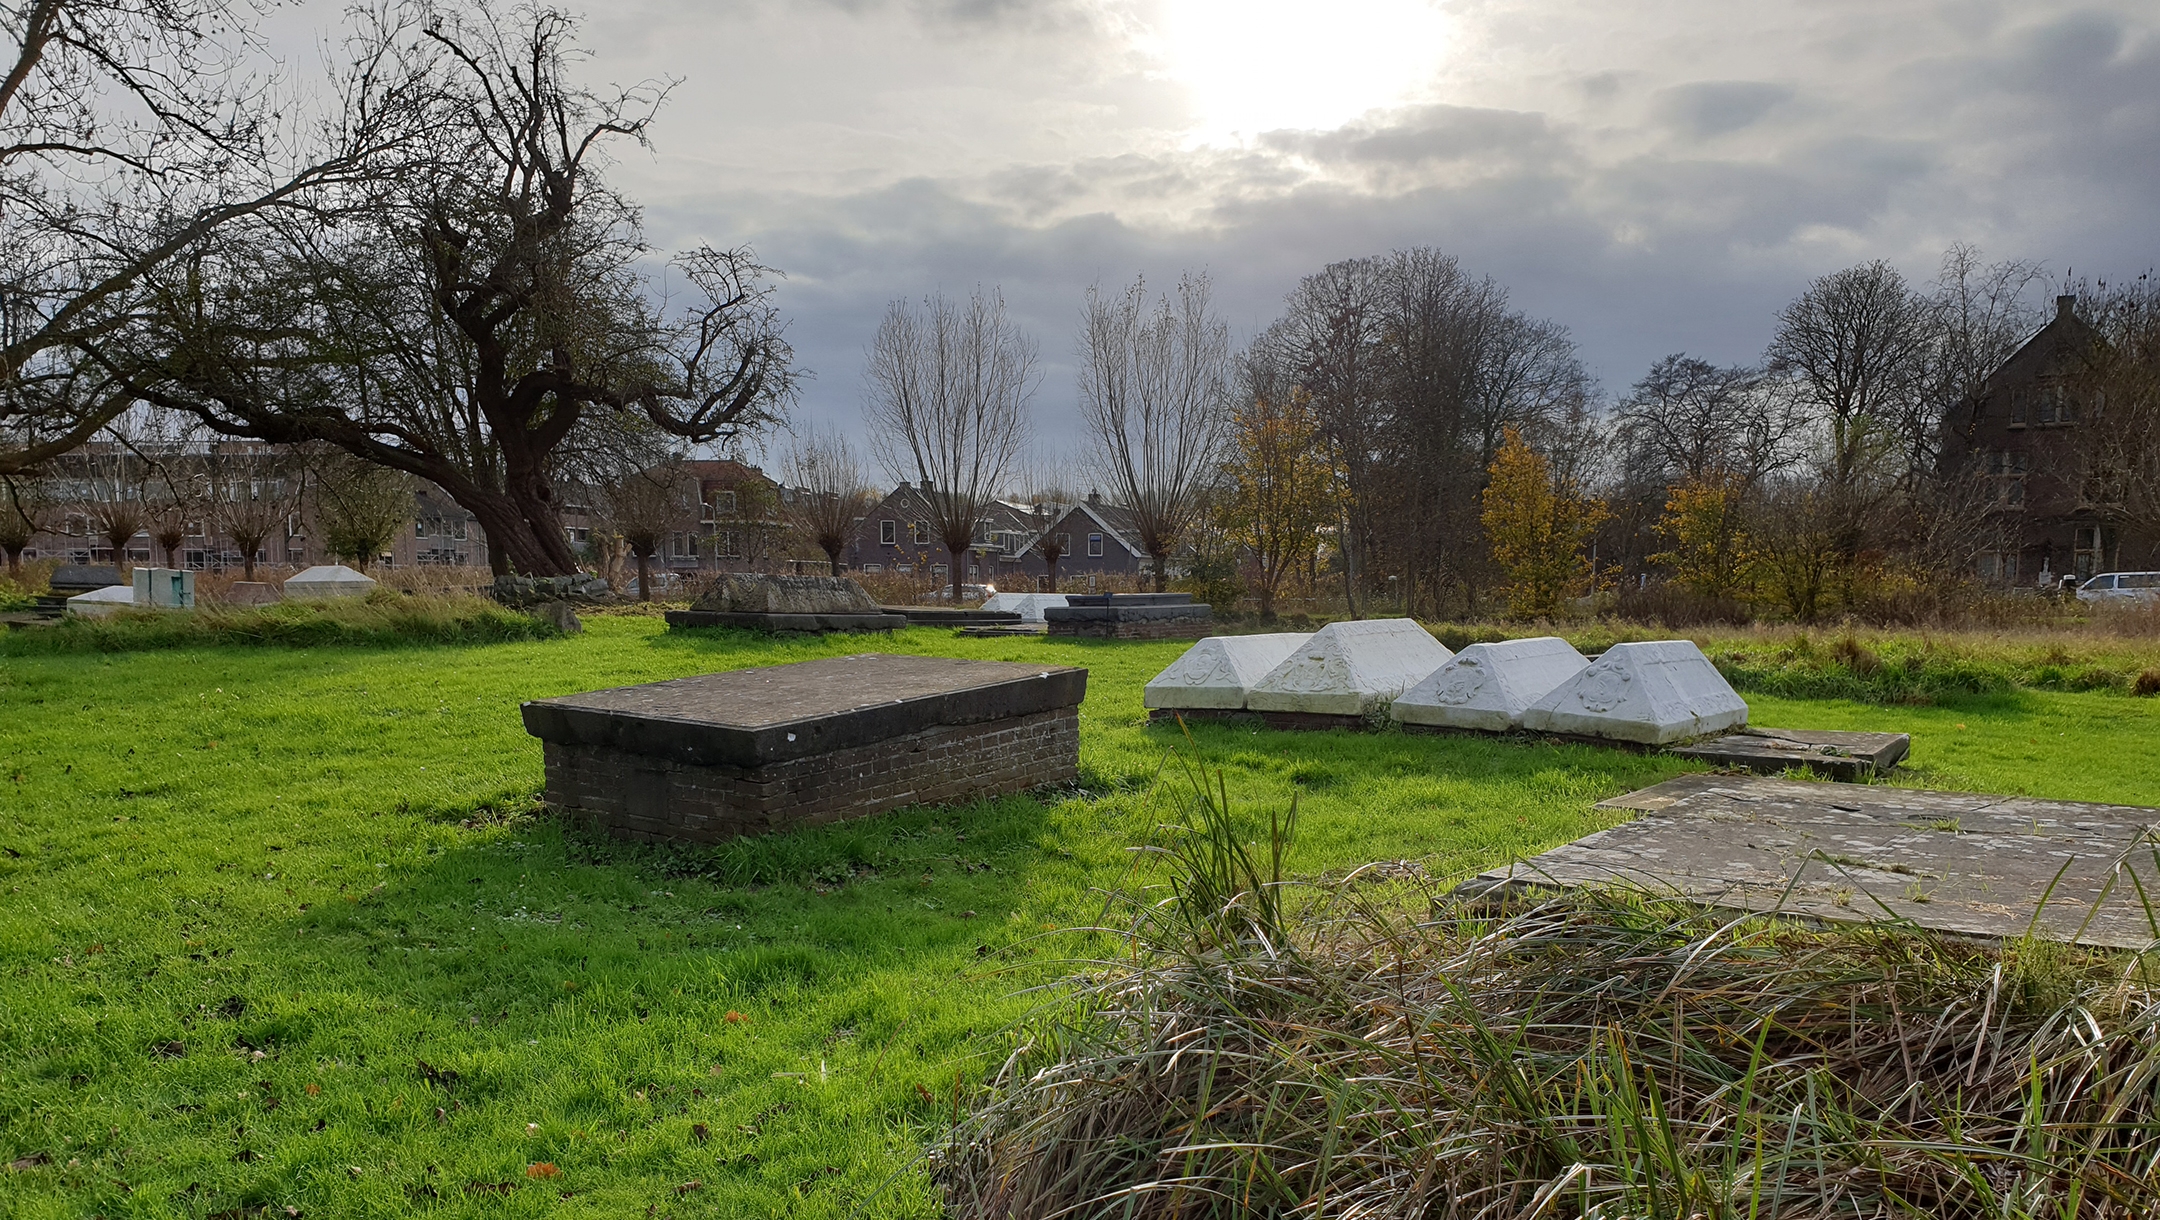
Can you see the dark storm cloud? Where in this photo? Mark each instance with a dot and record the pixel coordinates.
(1718, 107)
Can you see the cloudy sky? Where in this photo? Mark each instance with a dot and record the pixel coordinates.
(1656, 175)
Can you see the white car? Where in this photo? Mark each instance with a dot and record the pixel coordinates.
(2121, 586)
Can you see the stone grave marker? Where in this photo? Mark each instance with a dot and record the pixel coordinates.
(753, 751)
(1851, 757)
(72, 578)
(1215, 674)
(1345, 671)
(102, 603)
(807, 604)
(1487, 687)
(329, 580)
(1029, 606)
(1958, 862)
(1649, 694)
(1130, 616)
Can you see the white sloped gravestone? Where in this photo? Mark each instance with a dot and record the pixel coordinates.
(1217, 672)
(329, 580)
(1489, 686)
(1029, 606)
(1348, 669)
(1654, 693)
(102, 603)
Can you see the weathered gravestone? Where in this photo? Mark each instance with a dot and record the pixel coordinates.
(1852, 757)
(758, 750)
(1345, 672)
(72, 578)
(1130, 616)
(1487, 687)
(329, 580)
(1029, 606)
(102, 603)
(1215, 675)
(1647, 694)
(1960, 862)
(785, 604)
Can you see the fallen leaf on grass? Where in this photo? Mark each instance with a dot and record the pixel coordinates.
(542, 1169)
(687, 1187)
(23, 1164)
(735, 1018)
(700, 1132)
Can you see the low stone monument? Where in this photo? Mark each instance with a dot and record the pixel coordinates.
(102, 603)
(753, 751)
(1653, 693)
(527, 592)
(1850, 757)
(560, 616)
(1487, 687)
(69, 579)
(165, 588)
(785, 604)
(1215, 675)
(328, 580)
(1130, 616)
(1345, 671)
(1029, 606)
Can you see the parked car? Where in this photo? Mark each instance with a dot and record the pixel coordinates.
(2121, 586)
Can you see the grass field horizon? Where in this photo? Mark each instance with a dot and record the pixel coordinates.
(282, 929)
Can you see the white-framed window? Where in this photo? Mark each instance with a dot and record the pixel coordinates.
(873, 567)
(940, 571)
(920, 533)
(888, 533)
(419, 527)
(727, 544)
(1095, 547)
(724, 502)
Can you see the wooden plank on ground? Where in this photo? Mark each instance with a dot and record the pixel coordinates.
(1967, 863)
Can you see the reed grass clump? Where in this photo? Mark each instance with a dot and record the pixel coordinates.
(1259, 1049)
(385, 618)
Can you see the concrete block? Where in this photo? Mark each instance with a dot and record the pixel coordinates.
(102, 603)
(1217, 672)
(1653, 694)
(1349, 669)
(1490, 686)
(329, 580)
(1029, 606)
(165, 588)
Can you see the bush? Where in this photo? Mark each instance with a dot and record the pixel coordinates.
(2148, 683)
(382, 619)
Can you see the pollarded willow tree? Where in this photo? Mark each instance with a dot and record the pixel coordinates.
(461, 324)
(1155, 383)
(830, 496)
(949, 384)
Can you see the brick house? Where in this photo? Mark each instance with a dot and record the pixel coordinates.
(2021, 433)
(897, 536)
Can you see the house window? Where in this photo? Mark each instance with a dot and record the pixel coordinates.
(888, 533)
(919, 533)
(724, 502)
(2017, 407)
(939, 571)
(1999, 568)
(729, 544)
(419, 528)
(2006, 470)
(2090, 555)
(1064, 544)
(873, 567)
(1094, 546)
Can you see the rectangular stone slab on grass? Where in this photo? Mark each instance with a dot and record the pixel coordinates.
(756, 750)
(1843, 756)
(1959, 862)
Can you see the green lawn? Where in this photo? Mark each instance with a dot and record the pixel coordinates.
(279, 928)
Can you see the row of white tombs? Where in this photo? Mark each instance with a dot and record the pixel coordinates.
(1653, 693)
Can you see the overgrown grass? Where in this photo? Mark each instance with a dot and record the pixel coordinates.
(382, 619)
(265, 911)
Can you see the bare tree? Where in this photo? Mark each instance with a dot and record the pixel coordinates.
(1696, 419)
(949, 390)
(130, 133)
(112, 490)
(2115, 458)
(1983, 314)
(1857, 345)
(830, 494)
(362, 506)
(1155, 390)
(643, 507)
(459, 324)
(253, 490)
(22, 516)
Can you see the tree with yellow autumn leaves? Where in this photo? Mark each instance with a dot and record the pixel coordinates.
(1539, 524)
(1283, 487)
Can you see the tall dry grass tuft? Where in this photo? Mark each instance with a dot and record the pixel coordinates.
(1599, 1055)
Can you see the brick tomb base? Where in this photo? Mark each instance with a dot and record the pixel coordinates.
(753, 751)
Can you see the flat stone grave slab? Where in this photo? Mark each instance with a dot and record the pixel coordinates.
(1653, 693)
(1487, 687)
(786, 604)
(954, 616)
(1216, 673)
(1959, 862)
(1347, 670)
(751, 751)
(70, 578)
(1850, 757)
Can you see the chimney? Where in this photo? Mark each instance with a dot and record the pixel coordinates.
(929, 485)
(1094, 496)
(2065, 306)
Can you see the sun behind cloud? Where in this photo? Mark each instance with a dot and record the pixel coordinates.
(1251, 66)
